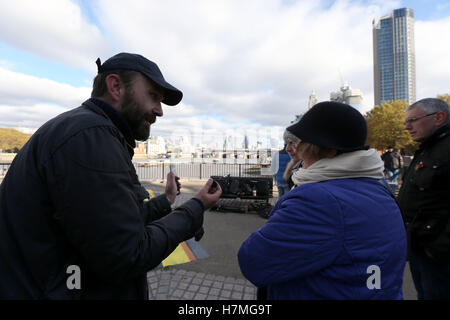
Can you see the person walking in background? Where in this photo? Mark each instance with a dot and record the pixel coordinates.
(393, 162)
(71, 199)
(424, 198)
(279, 162)
(339, 233)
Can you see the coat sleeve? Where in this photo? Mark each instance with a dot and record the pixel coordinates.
(302, 236)
(156, 208)
(100, 214)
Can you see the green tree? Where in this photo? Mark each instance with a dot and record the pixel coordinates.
(445, 97)
(385, 127)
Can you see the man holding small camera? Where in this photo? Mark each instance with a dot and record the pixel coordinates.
(72, 200)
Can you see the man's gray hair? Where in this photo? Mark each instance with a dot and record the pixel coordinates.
(287, 136)
(430, 105)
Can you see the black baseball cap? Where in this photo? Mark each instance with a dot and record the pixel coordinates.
(136, 62)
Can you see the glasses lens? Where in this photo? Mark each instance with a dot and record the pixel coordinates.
(409, 121)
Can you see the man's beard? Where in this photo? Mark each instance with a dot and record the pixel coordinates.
(133, 114)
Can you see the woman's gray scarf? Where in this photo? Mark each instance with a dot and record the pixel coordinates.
(356, 164)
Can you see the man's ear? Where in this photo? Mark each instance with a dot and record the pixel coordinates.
(441, 117)
(114, 87)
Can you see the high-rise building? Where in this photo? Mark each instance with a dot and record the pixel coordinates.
(311, 102)
(394, 57)
(348, 95)
(312, 99)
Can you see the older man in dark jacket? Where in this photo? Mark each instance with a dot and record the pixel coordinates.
(73, 221)
(425, 198)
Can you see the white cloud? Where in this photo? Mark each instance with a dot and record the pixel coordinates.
(442, 6)
(6, 64)
(432, 57)
(28, 117)
(21, 89)
(52, 29)
(250, 60)
(244, 65)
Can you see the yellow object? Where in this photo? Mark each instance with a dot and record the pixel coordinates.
(178, 256)
(151, 193)
(181, 254)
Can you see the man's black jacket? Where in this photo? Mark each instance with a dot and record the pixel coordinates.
(72, 197)
(424, 197)
(392, 160)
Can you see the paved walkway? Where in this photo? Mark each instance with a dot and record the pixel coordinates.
(178, 284)
(174, 283)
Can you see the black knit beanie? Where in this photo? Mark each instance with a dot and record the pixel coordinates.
(333, 125)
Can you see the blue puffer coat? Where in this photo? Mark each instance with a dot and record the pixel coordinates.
(322, 241)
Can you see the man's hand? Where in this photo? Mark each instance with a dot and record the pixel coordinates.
(172, 187)
(209, 194)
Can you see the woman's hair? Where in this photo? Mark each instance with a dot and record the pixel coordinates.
(287, 136)
(99, 84)
(314, 151)
(287, 172)
(318, 152)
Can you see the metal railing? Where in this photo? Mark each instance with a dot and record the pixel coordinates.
(159, 171)
(4, 166)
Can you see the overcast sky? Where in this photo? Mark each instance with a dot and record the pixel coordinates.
(245, 67)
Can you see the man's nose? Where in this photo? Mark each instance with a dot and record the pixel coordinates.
(158, 110)
(407, 126)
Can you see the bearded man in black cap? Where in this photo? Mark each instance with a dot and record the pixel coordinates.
(73, 220)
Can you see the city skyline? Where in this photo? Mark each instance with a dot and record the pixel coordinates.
(244, 67)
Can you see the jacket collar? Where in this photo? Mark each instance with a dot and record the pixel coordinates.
(118, 121)
(437, 135)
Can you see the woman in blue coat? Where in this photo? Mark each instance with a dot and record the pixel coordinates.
(339, 233)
